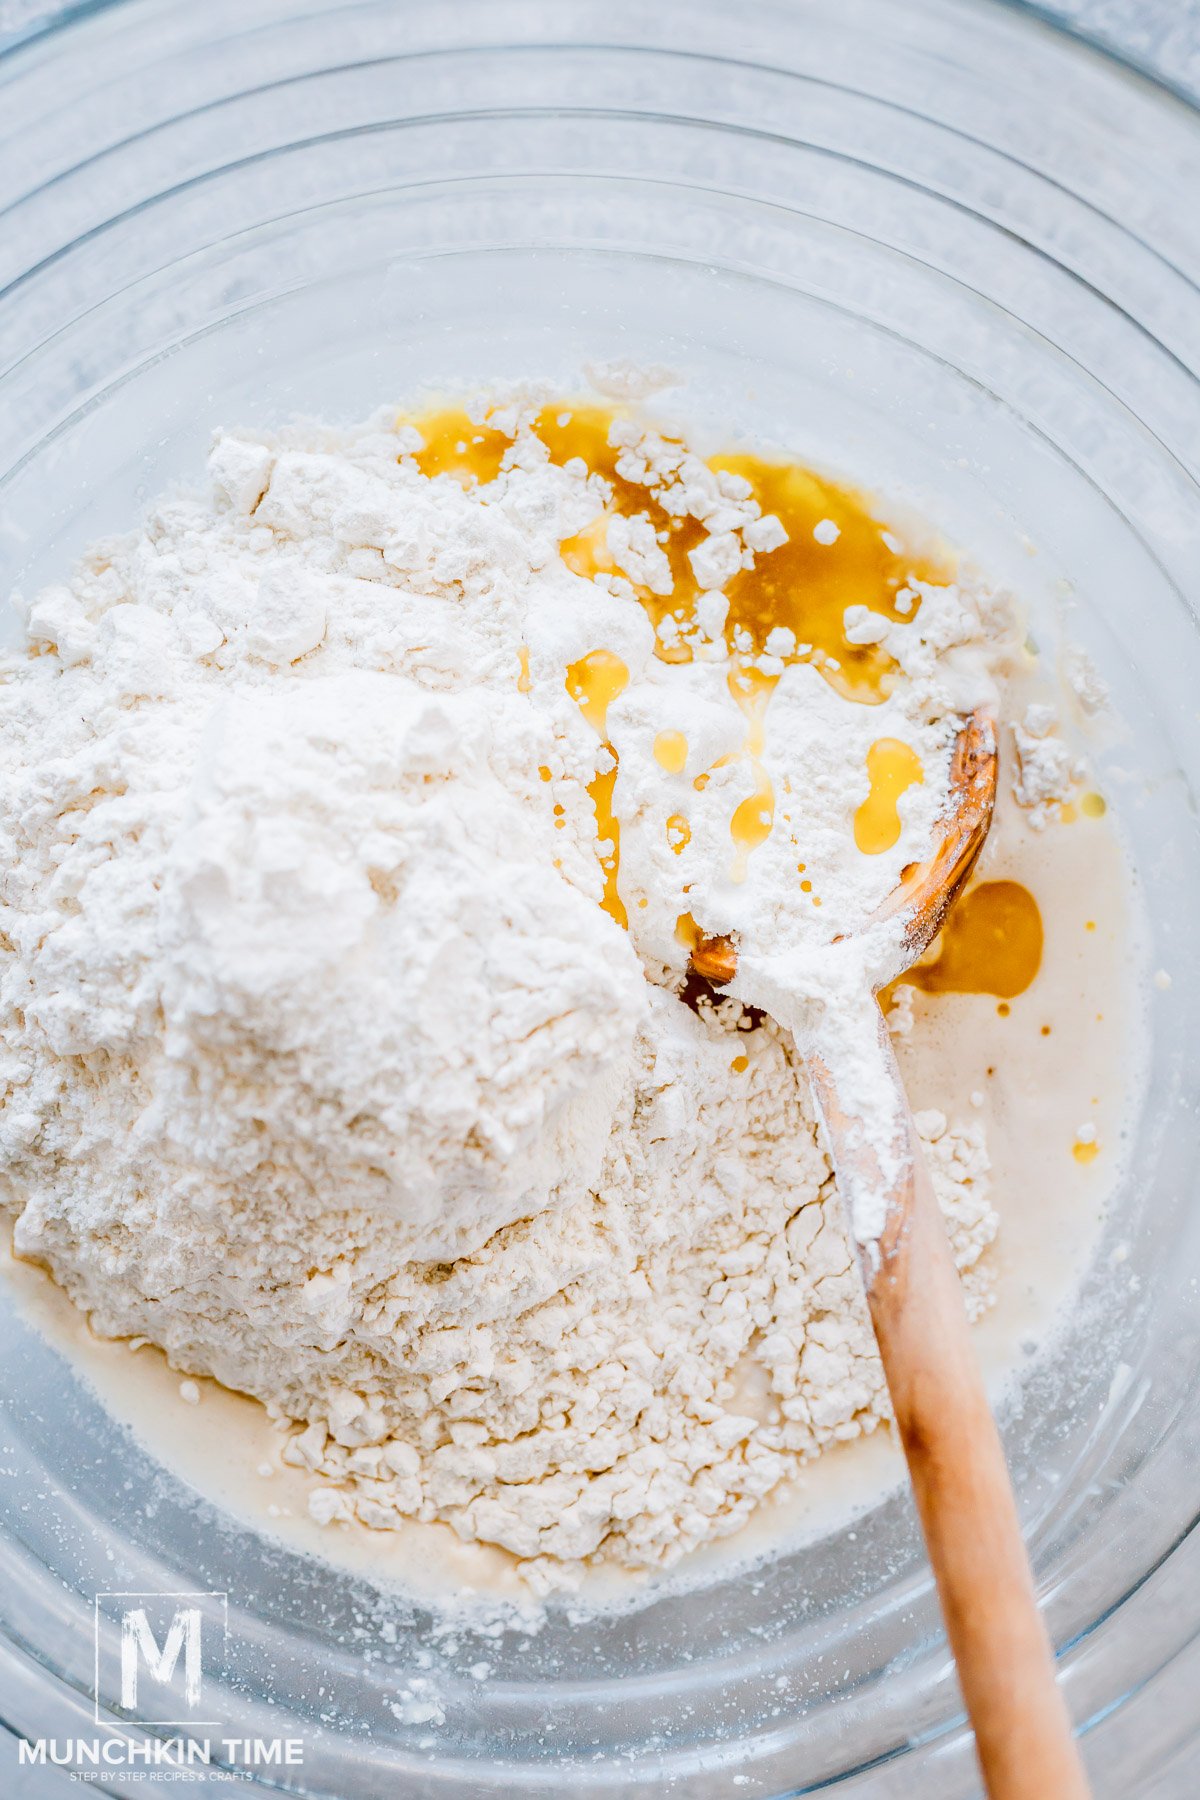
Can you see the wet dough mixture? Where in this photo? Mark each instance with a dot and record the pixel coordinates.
(360, 812)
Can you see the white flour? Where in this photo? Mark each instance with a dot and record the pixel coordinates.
(325, 1071)
(1047, 768)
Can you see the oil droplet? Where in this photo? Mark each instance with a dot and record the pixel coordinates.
(679, 833)
(892, 768)
(750, 826)
(1091, 925)
(687, 932)
(524, 682)
(670, 751)
(1093, 806)
(544, 772)
(594, 683)
(1004, 1009)
(740, 1064)
(456, 445)
(1085, 1153)
(754, 817)
(991, 944)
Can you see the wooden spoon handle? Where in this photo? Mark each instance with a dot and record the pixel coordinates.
(956, 1462)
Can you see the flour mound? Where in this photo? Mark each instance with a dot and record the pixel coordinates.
(367, 973)
(305, 937)
(322, 1065)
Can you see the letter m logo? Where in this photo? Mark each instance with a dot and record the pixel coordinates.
(153, 1653)
(138, 1646)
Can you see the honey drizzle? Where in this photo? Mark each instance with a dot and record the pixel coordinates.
(754, 817)
(892, 768)
(594, 682)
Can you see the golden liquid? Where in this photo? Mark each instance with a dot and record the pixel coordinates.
(804, 584)
(892, 768)
(679, 833)
(670, 751)
(991, 944)
(455, 445)
(594, 683)
(807, 585)
(1085, 1153)
(754, 818)
(687, 932)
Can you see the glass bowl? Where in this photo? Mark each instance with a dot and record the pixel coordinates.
(939, 246)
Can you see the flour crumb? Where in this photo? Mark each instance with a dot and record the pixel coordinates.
(1047, 769)
(901, 1016)
(1084, 681)
(418, 1703)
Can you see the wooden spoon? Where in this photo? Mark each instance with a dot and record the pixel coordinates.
(955, 1459)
